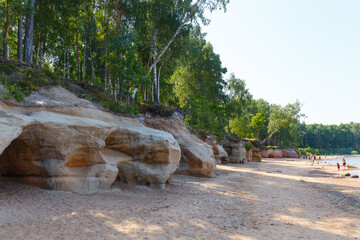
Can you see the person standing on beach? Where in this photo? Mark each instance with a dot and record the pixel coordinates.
(338, 166)
(344, 163)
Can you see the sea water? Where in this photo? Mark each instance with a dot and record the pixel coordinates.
(352, 161)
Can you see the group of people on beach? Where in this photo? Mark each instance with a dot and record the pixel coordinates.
(344, 165)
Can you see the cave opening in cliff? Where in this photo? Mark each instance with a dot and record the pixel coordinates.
(20, 161)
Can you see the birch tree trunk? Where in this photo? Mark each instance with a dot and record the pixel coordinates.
(155, 85)
(270, 135)
(186, 19)
(68, 64)
(29, 29)
(158, 81)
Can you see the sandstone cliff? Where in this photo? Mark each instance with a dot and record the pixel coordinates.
(236, 151)
(57, 141)
(197, 157)
(220, 154)
(288, 152)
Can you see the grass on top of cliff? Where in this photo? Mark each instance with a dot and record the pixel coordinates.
(20, 79)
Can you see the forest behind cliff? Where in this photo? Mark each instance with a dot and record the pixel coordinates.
(145, 53)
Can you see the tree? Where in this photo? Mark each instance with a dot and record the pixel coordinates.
(281, 117)
(236, 104)
(29, 29)
(257, 123)
(198, 82)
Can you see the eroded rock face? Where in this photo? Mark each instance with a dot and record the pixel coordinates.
(288, 152)
(254, 155)
(57, 141)
(197, 157)
(236, 151)
(220, 154)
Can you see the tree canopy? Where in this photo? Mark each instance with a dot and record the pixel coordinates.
(151, 52)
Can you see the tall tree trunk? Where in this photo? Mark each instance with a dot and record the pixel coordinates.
(6, 32)
(270, 135)
(155, 85)
(105, 68)
(37, 53)
(42, 54)
(158, 81)
(84, 63)
(186, 19)
(20, 38)
(29, 29)
(64, 62)
(68, 64)
(228, 126)
(77, 53)
(220, 122)
(106, 52)
(91, 59)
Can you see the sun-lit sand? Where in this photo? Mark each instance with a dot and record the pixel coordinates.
(274, 199)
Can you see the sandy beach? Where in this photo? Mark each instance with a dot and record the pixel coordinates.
(273, 199)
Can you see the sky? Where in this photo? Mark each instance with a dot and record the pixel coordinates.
(288, 50)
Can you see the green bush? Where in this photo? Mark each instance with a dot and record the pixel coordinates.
(7, 68)
(248, 146)
(354, 152)
(14, 91)
(309, 151)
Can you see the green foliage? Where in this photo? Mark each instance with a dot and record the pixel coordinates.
(248, 146)
(198, 84)
(331, 136)
(354, 152)
(284, 116)
(308, 151)
(21, 82)
(17, 92)
(257, 123)
(303, 152)
(117, 107)
(12, 91)
(108, 49)
(7, 68)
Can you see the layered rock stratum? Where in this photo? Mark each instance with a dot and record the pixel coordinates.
(287, 152)
(236, 151)
(197, 157)
(220, 154)
(57, 141)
